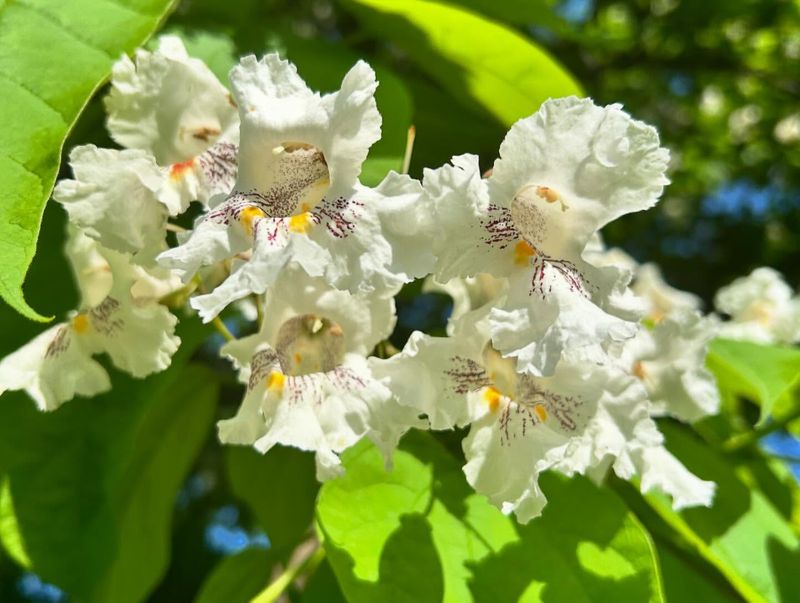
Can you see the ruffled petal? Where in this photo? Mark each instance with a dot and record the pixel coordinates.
(54, 367)
(168, 104)
(113, 197)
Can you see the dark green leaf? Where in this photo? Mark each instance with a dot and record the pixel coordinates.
(237, 579)
(279, 487)
(89, 490)
(54, 55)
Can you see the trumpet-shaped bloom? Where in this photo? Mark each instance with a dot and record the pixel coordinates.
(173, 107)
(297, 198)
(308, 384)
(136, 332)
(581, 419)
(762, 308)
(563, 173)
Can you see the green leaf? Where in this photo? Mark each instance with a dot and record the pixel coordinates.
(743, 535)
(53, 57)
(686, 579)
(419, 533)
(90, 489)
(476, 60)
(279, 487)
(517, 12)
(596, 550)
(237, 579)
(763, 373)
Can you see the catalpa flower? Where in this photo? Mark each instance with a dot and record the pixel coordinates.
(669, 359)
(308, 384)
(581, 419)
(297, 197)
(174, 108)
(136, 332)
(563, 173)
(114, 199)
(762, 308)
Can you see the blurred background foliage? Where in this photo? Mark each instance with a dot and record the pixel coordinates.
(721, 81)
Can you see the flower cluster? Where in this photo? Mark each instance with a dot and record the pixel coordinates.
(560, 353)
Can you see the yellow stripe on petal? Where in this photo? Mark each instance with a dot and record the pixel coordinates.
(275, 381)
(541, 412)
(492, 397)
(523, 252)
(80, 324)
(248, 216)
(300, 223)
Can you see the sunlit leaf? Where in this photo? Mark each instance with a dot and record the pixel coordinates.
(763, 373)
(419, 533)
(476, 60)
(743, 535)
(53, 56)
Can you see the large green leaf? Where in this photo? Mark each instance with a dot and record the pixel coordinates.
(763, 373)
(419, 533)
(89, 490)
(517, 12)
(476, 60)
(279, 488)
(743, 534)
(53, 56)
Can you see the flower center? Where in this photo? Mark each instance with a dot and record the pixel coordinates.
(300, 179)
(309, 344)
(501, 372)
(527, 214)
(761, 311)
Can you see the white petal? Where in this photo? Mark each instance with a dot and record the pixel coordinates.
(761, 308)
(274, 247)
(600, 161)
(277, 108)
(113, 197)
(53, 368)
(474, 235)
(365, 320)
(537, 326)
(168, 104)
(663, 472)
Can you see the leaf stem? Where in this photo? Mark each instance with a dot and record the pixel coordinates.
(307, 566)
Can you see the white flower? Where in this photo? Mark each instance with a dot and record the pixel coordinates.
(762, 308)
(662, 299)
(173, 107)
(670, 362)
(297, 197)
(308, 382)
(136, 332)
(563, 174)
(581, 419)
(114, 198)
